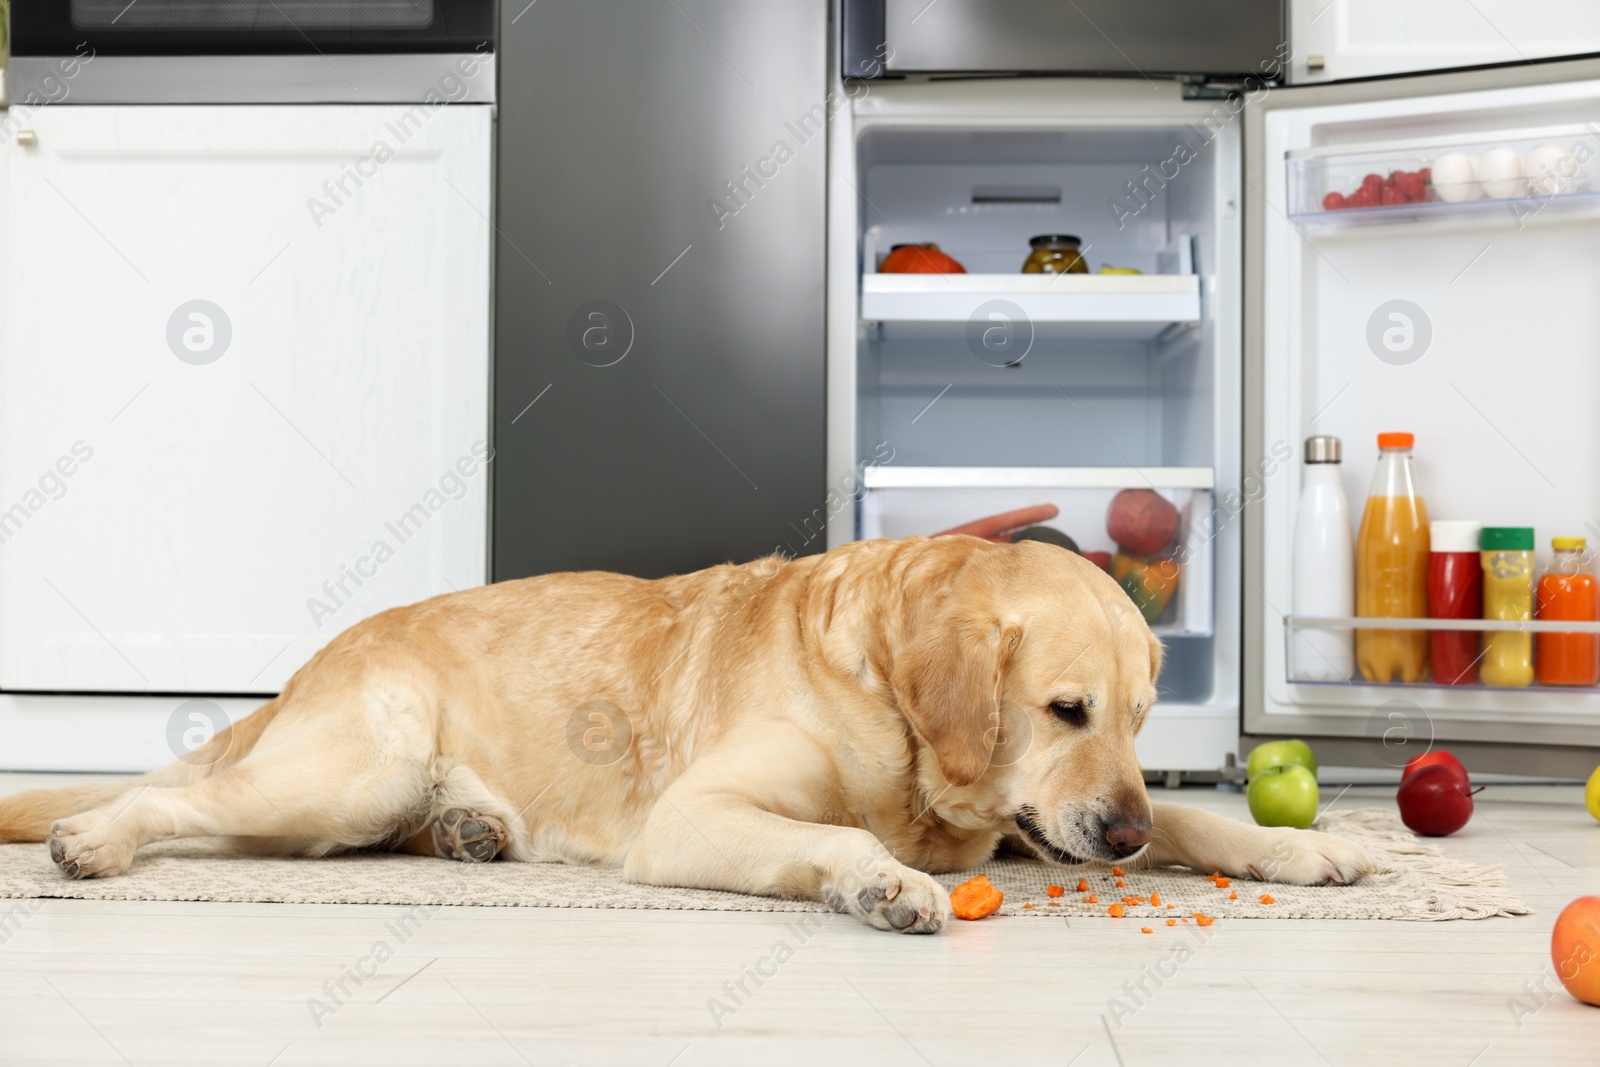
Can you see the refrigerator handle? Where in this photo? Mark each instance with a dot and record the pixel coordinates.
(864, 41)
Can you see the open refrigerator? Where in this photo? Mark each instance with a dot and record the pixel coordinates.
(959, 396)
(1466, 317)
(1246, 331)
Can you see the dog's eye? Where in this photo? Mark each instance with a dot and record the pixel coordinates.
(1073, 714)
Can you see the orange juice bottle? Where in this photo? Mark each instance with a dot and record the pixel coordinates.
(1392, 567)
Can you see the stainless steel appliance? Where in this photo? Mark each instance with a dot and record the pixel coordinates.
(659, 296)
(249, 51)
(1198, 39)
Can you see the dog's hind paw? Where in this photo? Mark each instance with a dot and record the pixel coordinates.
(459, 834)
(91, 845)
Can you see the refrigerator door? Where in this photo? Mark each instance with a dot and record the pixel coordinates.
(1461, 312)
(659, 313)
(1227, 38)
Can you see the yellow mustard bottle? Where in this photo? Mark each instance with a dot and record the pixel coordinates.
(1507, 558)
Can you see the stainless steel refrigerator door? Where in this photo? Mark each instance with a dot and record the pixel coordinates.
(659, 326)
(1201, 37)
(1499, 730)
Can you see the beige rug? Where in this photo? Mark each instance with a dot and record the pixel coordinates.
(1417, 882)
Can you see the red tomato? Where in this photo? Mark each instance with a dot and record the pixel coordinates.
(1426, 174)
(1372, 181)
(1393, 195)
(1365, 196)
(1333, 202)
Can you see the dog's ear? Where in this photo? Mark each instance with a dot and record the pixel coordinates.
(948, 685)
(1157, 654)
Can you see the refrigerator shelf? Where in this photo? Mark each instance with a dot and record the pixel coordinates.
(904, 501)
(1128, 306)
(1294, 675)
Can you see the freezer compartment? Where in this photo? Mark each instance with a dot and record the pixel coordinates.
(1513, 173)
(1312, 647)
(1173, 586)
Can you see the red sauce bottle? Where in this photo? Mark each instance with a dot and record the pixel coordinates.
(1455, 591)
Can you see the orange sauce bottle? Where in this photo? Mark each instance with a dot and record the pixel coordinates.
(1392, 567)
(1569, 593)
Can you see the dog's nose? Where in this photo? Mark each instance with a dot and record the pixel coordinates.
(1128, 835)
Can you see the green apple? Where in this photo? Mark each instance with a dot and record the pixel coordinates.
(1280, 754)
(1283, 796)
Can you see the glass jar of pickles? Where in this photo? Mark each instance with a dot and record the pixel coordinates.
(1054, 253)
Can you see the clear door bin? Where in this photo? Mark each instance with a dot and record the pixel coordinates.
(1172, 582)
(1294, 626)
(1518, 174)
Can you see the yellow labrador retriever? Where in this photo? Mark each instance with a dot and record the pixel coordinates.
(829, 728)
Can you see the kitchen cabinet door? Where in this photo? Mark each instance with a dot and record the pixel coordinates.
(1336, 40)
(243, 386)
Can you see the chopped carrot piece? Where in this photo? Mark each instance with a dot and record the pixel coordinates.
(1117, 871)
(1172, 922)
(1133, 900)
(1054, 890)
(1233, 895)
(1093, 899)
(1169, 905)
(1214, 875)
(1115, 911)
(1083, 885)
(1146, 930)
(1119, 883)
(1186, 920)
(1027, 905)
(1155, 900)
(1223, 883)
(1053, 904)
(1266, 898)
(975, 898)
(1203, 920)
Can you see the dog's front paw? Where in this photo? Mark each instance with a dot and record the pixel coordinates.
(91, 845)
(895, 897)
(1306, 857)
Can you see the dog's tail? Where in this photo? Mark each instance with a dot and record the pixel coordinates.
(29, 816)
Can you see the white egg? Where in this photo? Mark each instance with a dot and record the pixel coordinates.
(1454, 177)
(1500, 171)
(1550, 169)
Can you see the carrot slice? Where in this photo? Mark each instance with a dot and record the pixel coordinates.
(1117, 871)
(1083, 885)
(1155, 900)
(1172, 922)
(1222, 883)
(1093, 899)
(975, 898)
(1119, 883)
(1054, 890)
(1266, 898)
(1027, 905)
(1169, 905)
(1115, 911)
(1146, 930)
(1233, 895)
(1203, 920)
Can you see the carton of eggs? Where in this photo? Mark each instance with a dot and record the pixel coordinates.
(1455, 178)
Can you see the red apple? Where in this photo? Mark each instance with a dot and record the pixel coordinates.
(1434, 801)
(1436, 759)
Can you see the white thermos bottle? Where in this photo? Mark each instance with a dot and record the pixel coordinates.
(1324, 568)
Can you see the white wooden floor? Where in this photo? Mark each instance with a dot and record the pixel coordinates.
(86, 982)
